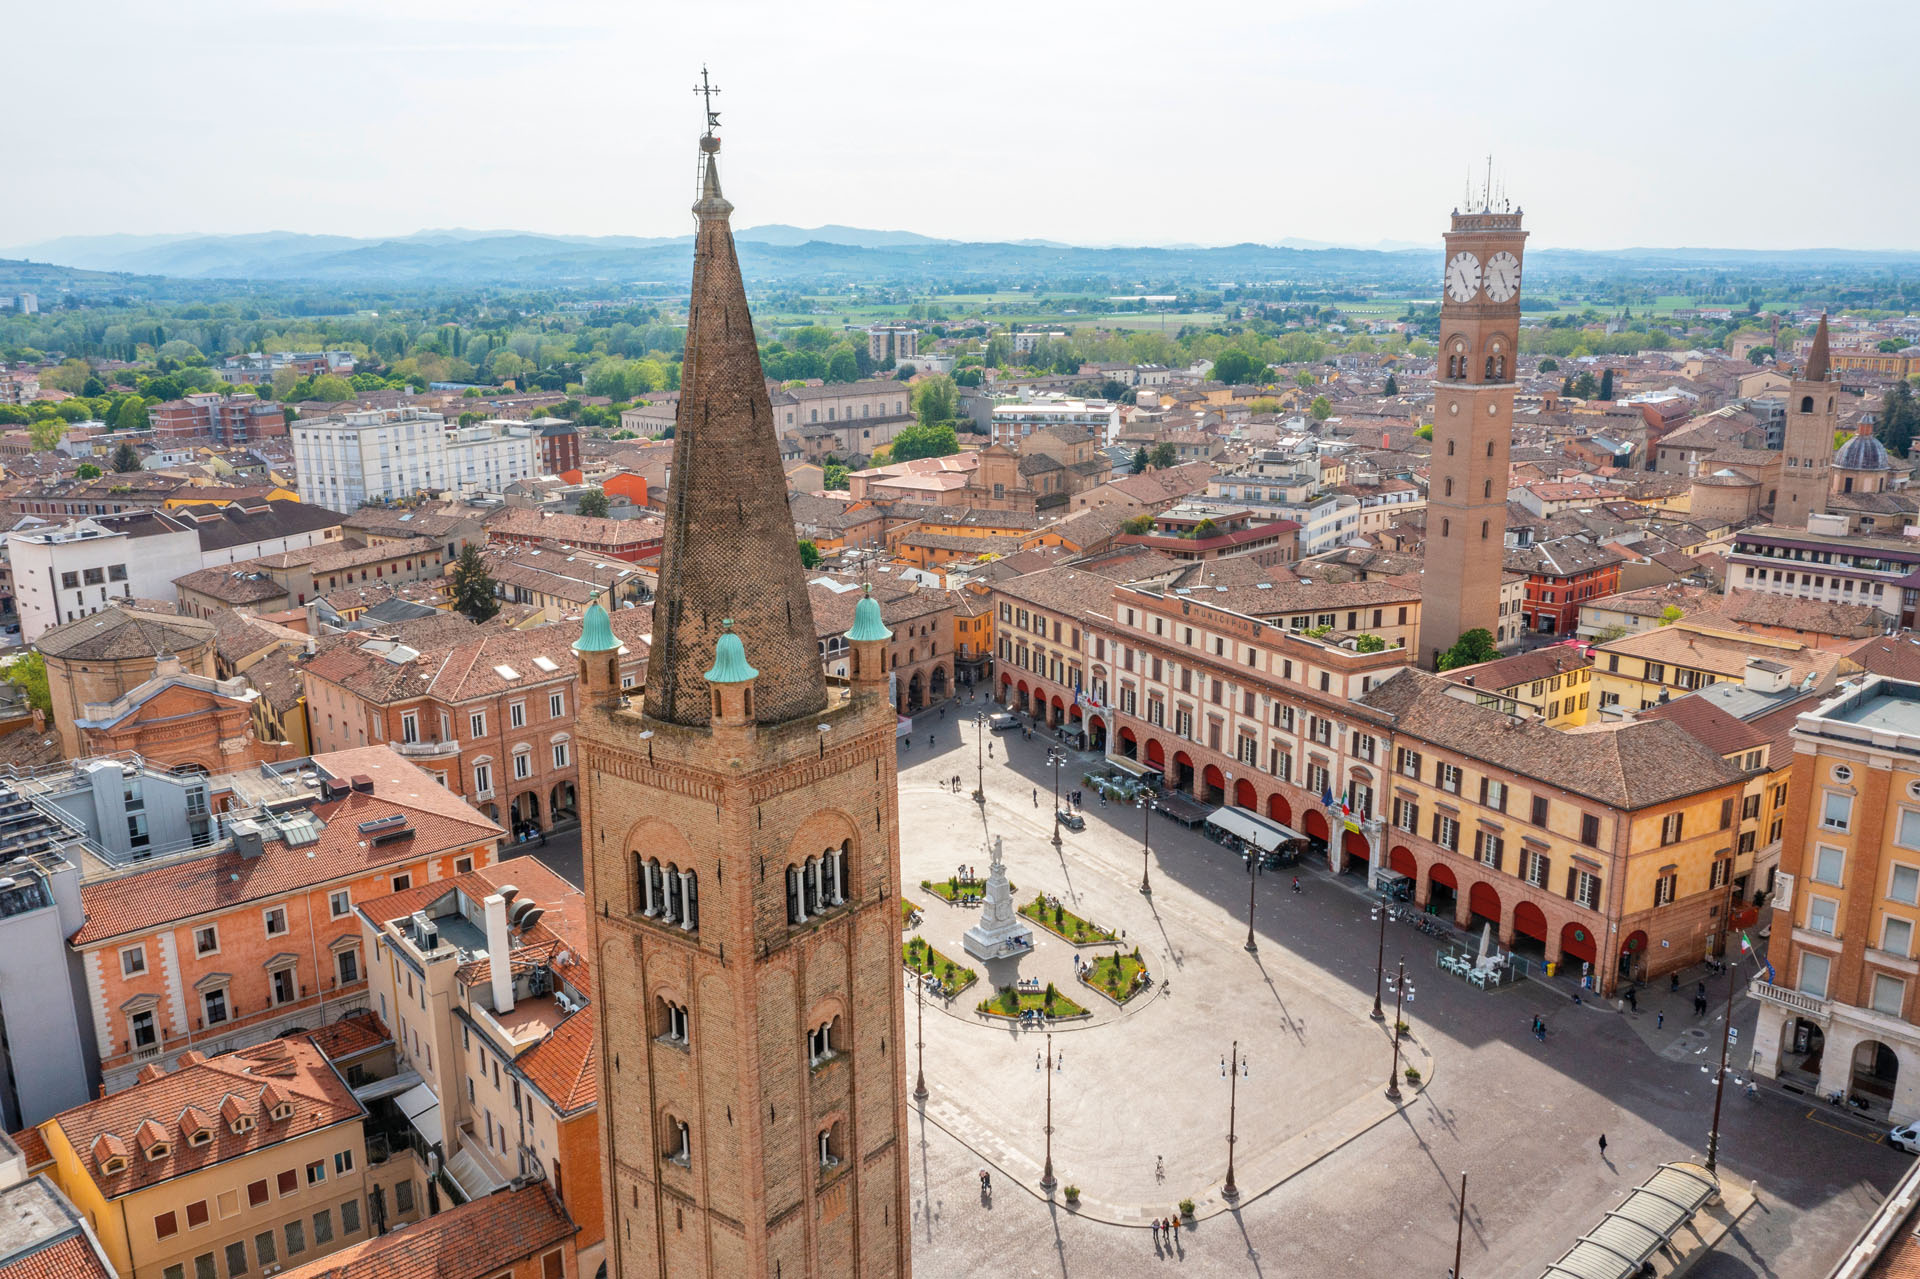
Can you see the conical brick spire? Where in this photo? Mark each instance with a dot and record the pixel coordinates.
(730, 548)
(1816, 370)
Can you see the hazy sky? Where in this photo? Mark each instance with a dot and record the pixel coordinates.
(1615, 123)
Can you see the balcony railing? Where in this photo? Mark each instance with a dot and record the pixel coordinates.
(426, 750)
(1787, 998)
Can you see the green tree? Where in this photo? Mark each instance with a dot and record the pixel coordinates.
(30, 673)
(935, 400)
(87, 471)
(94, 387)
(1425, 432)
(1369, 644)
(1205, 528)
(132, 415)
(1303, 379)
(844, 366)
(1471, 649)
(330, 387)
(1889, 346)
(1549, 365)
(967, 377)
(1584, 387)
(473, 586)
(1671, 614)
(46, 433)
(1233, 366)
(1138, 526)
(1140, 460)
(809, 554)
(1391, 388)
(836, 477)
(1164, 455)
(593, 503)
(1606, 385)
(1899, 419)
(925, 440)
(1320, 408)
(126, 458)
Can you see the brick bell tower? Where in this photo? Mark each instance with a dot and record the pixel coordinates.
(743, 869)
(1472, 424)
(1807, 447)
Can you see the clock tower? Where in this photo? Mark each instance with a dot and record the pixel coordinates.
(1473, 390)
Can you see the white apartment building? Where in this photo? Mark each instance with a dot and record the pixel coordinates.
(1326, 519)
(1013, 422)
(64, 571)
(344, 461)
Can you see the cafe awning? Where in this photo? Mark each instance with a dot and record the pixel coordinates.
(1263, 833)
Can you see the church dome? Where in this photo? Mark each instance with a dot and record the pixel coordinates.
(1862, 453)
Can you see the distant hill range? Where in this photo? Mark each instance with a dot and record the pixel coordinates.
(778, 253)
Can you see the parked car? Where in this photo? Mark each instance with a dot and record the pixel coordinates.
(1002, 721)
(1072, 821)
(1905, 1139)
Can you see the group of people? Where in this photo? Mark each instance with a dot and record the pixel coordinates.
(1167, 1230)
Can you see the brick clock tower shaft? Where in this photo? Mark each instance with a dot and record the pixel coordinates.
(1472, 426)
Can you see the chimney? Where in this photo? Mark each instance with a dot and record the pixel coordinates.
(499, 953)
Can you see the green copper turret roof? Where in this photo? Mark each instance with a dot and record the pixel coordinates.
(730, 659)
(866, 622)
(596, 632)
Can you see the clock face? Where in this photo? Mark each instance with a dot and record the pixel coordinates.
(1463, 277)
(1503, 276)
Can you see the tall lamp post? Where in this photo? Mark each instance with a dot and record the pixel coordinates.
(1253, 878)
(1459, 1227)
(1726, 1041)
(920, 1035)
(1056, 760)
(1047, 1182)
(1234, 1067)
(1145, 803)
(980, 759)
(1400, 992)
(1380, 962)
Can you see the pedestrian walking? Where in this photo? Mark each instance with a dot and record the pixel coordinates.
(1660, 1021)
(1632, 1002)
(1174, 1222)
(1036, 797)
(1296, 883)
(1603, 1145)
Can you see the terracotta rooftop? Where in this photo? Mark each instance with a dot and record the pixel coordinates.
(1521, 668)
(477, 1240)
(119, 632)
(1625, 766)
(179, 890)
(1709, 724)
(241, 1087)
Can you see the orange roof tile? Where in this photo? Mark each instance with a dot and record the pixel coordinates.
(221, 881)
(70, 1258)
(285, 1068)
(350, 1035)
(477, 1240)
(562, 1066)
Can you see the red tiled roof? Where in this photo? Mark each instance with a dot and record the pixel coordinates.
(165, 894)
(71, 1258)
(357, 1032)
(252, 1077)
(34, 1146)
(1714, 728)
(477, 1240)
(562, 1066)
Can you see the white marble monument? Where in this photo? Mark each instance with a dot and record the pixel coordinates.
(1000, 933)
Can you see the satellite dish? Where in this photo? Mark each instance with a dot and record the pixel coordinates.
(532, 917)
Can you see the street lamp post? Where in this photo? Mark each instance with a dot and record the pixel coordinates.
(1047, 1182)
(1459, 1227)
(1380, 961)
(1235, 1066)
(1253, 878)
(1146, 806)
(1056, 760)
(1726, 1040)
(920, 1036)
(980, 759)
(1399, 994)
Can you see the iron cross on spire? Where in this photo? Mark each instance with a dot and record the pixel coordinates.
(706, 90)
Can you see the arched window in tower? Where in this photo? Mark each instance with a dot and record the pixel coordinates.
(1806, 404)
(1489, 448)
(1500, 367)
(679, 1142)
(1446, 527)
(672, 1019)
(1483, 530)
(1829, 404)
(1489, 374)
(830, 1147)
(1486, 488)
(820, 1042)
(1449, 448)
(1449, 492)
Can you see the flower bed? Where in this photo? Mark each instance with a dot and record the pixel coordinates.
(1064, 923)
(921, 958)
(1011, 1003)
(953, 888)
(1116, 976)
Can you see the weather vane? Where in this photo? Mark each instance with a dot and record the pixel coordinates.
(706, 90)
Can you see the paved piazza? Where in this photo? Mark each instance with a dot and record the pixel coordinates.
(1334, 1179)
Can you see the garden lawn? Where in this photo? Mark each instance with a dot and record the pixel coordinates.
(1011, 1003)
(1123, 971)
(1063, 923)
(952, 890)
(922, 958)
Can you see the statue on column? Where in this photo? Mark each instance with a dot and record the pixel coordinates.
(1000, 932)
